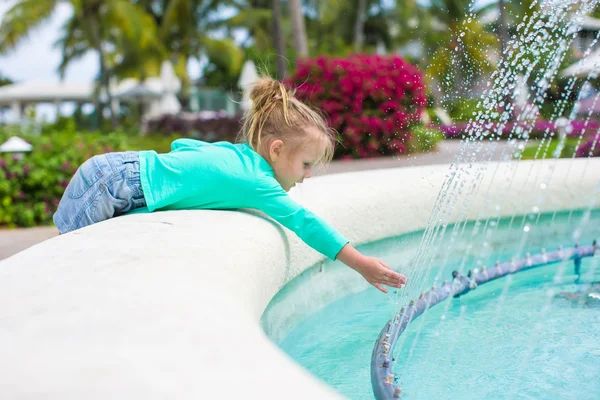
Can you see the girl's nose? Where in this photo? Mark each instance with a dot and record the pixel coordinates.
(308, 173)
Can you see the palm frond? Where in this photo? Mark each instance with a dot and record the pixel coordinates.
(224, 54)
(22, 19)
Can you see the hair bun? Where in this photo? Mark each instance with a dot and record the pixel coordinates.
(265, 90)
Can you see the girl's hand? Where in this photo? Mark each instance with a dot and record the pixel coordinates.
(374, 270)
(378, 273)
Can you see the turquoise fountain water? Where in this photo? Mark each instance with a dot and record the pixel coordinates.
(530, 335)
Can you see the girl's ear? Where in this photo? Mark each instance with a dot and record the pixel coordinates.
(275, 149)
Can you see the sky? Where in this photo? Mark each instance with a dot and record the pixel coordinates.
(36, 59)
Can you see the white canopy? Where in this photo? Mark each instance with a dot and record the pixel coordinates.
(139, 92)
(248, 76)
(15, 145)
(169, 104)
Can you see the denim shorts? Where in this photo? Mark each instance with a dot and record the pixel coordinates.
(103, 187)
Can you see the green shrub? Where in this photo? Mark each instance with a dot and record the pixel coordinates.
(32, 185)
(549, 149)
(424, 139)
(465, 110)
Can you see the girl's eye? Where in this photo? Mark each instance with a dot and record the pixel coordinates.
(306, 165)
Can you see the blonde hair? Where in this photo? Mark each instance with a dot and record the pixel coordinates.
(277, 114)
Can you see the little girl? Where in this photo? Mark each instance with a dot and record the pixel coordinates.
(282, 140)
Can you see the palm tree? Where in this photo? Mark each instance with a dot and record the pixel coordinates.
(509, 12)
(185, 28)
(460, 55)
(359, 25)
(298, 29)
(341, 27)
(278, 39)
(255, 16)
(225, 61)
(266, 26)
(90, 28)
(409, 21)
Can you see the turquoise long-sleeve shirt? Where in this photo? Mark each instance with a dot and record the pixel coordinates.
(223, 175)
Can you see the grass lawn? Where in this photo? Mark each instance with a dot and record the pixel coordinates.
(549, 149)
(159, 143)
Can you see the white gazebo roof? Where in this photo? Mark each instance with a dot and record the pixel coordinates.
(38, 92)
(160, 90)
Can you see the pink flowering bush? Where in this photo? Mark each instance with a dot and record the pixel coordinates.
(590, 146)
(371, 101)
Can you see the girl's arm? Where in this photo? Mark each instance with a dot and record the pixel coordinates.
(374, 270)
(321, 236)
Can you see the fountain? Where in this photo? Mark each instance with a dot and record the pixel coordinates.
(179, 310)
(468, 206)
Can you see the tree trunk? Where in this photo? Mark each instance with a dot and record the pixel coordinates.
(300, 42)
(104, 77)
(359, 25)
(105, 80)
(278, 40)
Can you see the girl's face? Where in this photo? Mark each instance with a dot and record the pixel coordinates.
(291, 167)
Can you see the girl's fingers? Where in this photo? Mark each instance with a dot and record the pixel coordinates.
(378, 286)
(391, 274)
(393, 283)
(394, 277)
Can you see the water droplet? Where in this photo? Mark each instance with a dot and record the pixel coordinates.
(526, 228)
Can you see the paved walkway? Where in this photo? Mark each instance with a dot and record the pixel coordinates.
(15, 240)
(444, 154)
